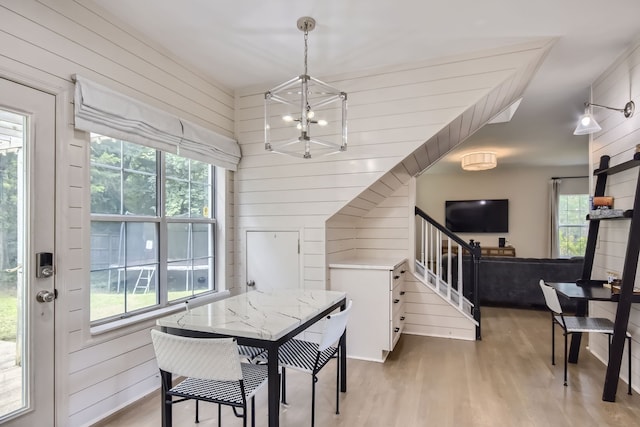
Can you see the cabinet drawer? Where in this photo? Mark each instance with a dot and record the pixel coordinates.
(397, 301)
(397, 326)
(397, 276)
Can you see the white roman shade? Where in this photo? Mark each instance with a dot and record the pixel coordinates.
(102, 110)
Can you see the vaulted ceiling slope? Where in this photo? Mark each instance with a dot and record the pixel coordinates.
(522, 62)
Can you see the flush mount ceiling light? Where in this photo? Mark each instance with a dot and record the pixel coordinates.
(295, 108)
(587, 124)
(479, 161)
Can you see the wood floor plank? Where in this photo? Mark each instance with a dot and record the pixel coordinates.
(505, 380)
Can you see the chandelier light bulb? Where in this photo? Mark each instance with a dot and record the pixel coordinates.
(322, 122)
(287, 118)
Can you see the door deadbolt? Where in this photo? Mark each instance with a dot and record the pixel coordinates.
(44, 265)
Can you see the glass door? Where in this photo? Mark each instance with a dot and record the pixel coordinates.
(27, 293)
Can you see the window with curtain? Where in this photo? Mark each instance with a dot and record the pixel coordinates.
(572, 224)
(152, 228)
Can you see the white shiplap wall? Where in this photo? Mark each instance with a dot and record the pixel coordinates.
(381, 216)
(618, 139)
(42, 44)
(357, 203)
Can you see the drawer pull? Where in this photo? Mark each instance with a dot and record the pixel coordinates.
(396, 330)
(402, 318)
(396, 277)
(395, 301)
(402, 271)
(401, 292)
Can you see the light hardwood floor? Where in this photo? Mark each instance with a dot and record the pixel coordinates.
(504, 380)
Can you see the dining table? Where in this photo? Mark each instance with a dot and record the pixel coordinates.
(263, 319)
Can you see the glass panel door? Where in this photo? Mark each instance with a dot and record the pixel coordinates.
(12, 302)
(27, 147)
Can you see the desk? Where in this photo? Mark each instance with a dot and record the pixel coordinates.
(260, 319)
(585, 291)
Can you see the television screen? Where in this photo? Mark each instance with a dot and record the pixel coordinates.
(477, 216)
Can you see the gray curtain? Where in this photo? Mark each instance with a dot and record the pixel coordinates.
(553, 212)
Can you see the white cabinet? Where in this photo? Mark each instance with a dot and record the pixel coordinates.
(377, 290)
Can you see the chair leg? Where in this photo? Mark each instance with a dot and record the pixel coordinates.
(338, 385)
(283, 382)
(197, 411)
(553, 342)
(244, 415)
(219, 415)
(314, 380)
(565, 358)
(253, 411)
(629, 390)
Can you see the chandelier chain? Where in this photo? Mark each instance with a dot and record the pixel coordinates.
(306, 48)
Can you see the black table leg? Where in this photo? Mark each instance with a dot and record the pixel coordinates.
(574, 349)
(274, 386)
(343, 362)
(167, 415)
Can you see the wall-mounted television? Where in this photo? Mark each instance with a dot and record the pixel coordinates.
(477, 216)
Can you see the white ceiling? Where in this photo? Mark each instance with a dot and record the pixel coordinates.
(246, 42)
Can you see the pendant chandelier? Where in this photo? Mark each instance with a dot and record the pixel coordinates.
(305, 113)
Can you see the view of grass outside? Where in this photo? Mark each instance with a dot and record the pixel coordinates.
(102, 304)
(8, 315)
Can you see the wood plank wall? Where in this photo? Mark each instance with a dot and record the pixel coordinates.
(392, 112)
(42, 44)
(618, 139)
(371, 191)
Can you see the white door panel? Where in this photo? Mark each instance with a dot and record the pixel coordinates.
(273, 260)
(27, 149)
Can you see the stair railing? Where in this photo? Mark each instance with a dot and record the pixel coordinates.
(439, 265)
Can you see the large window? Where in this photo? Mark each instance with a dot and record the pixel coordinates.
(152, 228)
(572, 224)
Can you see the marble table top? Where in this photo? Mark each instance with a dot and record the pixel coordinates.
(255, 314)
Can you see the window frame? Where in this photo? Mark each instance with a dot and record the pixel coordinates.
(584, 226)
(161, 223)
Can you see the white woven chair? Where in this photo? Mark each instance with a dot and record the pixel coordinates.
(213, 373)
(311, 357)
(576, 324)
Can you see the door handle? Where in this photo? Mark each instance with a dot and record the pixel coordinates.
(45, 296)
(251, 283)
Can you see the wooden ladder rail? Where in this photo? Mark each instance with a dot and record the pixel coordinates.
(624, 303)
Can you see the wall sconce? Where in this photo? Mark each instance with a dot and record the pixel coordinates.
(479, 161)
(587, 124)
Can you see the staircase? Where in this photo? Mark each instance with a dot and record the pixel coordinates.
(438, 266)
